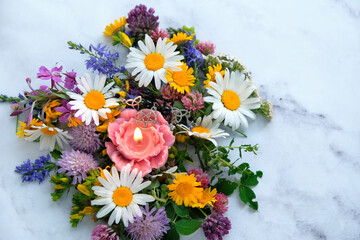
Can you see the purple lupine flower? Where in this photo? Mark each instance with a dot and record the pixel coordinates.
(76, 164)
(192, 55)
(150, 225)
(216, 226)
(66, 111)
(85, 138)
(104, 62)
(193, 101)
(104, 232)
(70, 80)
(142, 21)
(200, 177)
(32, 172)
(54, 74)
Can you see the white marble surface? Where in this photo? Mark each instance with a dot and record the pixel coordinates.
(305, 58)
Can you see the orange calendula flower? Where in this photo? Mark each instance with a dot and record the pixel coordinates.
(180, 37)
(185, 190)
(211, 75)
(181, 80)
(50, 112)
(207, 197)
(110, 118)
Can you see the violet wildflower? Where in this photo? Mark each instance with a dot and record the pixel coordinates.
(70, 80)
(104, 232)
(36, 171)
(104, 62)
(68, 114)
(206, 47)
(142, 21)
(216, 226)
(200, 177)
(192, 55)
(193, 101)
(169, 93)
(54, 74)
(150, 226)
(85, 138)
(220, 206)
(158, 33)
(17, 109)
(76, 164)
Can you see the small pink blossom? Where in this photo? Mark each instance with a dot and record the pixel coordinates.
(200, 177)
(151, 153)
(159, 33)
(220, 206)
(54, 74)
(193, 101)
(169, 93)
(206, 47)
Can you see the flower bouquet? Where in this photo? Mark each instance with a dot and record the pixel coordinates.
(124, 137)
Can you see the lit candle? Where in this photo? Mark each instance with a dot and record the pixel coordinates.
(138, 135)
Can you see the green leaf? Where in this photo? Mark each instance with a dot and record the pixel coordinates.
(170, 213)
(178, 104)
(247, 196)
(249, 178)
(187, 226)
(225, 186)
(172, 234)
(56, 154)
(208, 110)
(181, 210)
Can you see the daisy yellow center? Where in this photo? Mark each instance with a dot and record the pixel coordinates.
(122, 196)
(231, 100)
(94, 100)
(49, 132)
(200, 129)
(180, 78)
(185, 188)
(154, 61)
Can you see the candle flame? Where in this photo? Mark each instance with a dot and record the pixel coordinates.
(137, 135)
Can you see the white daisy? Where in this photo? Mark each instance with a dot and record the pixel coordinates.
(230, 98)
(119, 195)
(48, 137)
(207, 129)
(94, 101)
(150, 62)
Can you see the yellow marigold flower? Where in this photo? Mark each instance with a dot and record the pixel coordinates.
(97, 183)
(34, 122)
(87, 211)
(113, 28)
(74, 121)
(211, 75)
(125, 40)
(182, 80)
(181, 137)
(207, 197)
(180, 37)
(185, 190)
(110, 118)
(50, 112)
(83, 189)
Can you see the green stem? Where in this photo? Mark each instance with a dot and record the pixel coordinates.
(17, 123)
(203, 212)
(200, 160)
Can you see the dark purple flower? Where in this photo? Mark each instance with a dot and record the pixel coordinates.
(70, 80)
(142, 21)
(216, 226)
(150, 225)
(34, 171)
(54, 74)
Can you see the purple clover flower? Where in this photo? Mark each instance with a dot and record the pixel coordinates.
(37, 171)
(216, 226)
(150, 226)
(104, 232)
(142, 21)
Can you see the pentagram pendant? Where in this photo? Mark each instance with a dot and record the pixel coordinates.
(145, 118)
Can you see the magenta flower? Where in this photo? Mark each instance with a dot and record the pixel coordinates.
(200, 177)
(70, 80)
(206, 47)
(220, 206)
(17, 109)
(169, 93)
(158, 33)
(216, 226)
(54, 74)
(104, 232)
(193, 101)
(66, 110)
